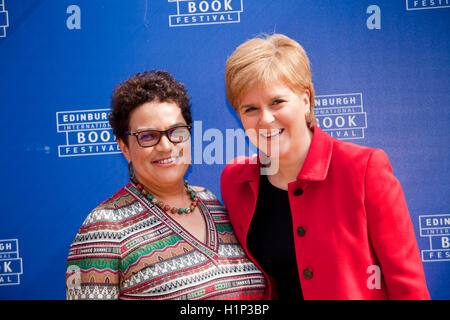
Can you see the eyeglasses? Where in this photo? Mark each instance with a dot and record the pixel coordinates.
(150, 138)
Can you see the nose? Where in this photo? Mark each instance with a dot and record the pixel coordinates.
(164, 145)
(266, 117)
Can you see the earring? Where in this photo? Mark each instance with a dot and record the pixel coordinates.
(131, 170)
(308, 117)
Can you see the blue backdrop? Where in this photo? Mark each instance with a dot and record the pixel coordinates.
(380, 69)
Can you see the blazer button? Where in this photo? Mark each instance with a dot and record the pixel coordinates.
(307, 273)
(301, 231)
(298, 192)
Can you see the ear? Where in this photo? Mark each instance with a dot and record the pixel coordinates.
(125, 149)
(306, 98)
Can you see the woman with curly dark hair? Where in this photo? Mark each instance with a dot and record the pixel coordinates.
(158, 237)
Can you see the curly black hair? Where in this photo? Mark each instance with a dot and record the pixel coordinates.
(148, 86)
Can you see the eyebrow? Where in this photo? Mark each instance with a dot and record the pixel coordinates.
(170, 127)
(246, 106)
(275, 97)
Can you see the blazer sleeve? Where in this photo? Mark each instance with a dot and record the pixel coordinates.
(391, 231)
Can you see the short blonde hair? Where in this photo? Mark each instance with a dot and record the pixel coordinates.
(264, 60)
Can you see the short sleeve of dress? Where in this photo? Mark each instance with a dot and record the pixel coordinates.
(93, 263)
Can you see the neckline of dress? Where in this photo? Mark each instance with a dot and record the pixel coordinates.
(209, 249)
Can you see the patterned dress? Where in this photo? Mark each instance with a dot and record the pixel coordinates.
(128, 248)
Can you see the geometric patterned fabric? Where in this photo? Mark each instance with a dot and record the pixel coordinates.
(128, 248)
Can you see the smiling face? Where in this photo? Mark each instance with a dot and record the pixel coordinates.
(165, 163)
(274, 118)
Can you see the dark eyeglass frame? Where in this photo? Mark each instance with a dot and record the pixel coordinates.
(161, 133)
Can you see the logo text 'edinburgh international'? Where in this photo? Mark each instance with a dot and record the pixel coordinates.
(10, 262)
(341, 115)
(4, 21)
(87, 133)
(196, 12)
(426, 4)
(436, 228)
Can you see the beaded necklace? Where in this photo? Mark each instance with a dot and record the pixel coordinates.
(166, 207)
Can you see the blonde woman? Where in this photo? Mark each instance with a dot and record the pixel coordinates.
(331, 222)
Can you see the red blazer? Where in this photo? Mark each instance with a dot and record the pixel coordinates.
(350, 221)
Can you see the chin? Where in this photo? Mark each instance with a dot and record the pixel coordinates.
(174, 173)
(169, 178)
(279, 152)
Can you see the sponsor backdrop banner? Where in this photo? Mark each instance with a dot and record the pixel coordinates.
(381, 72)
